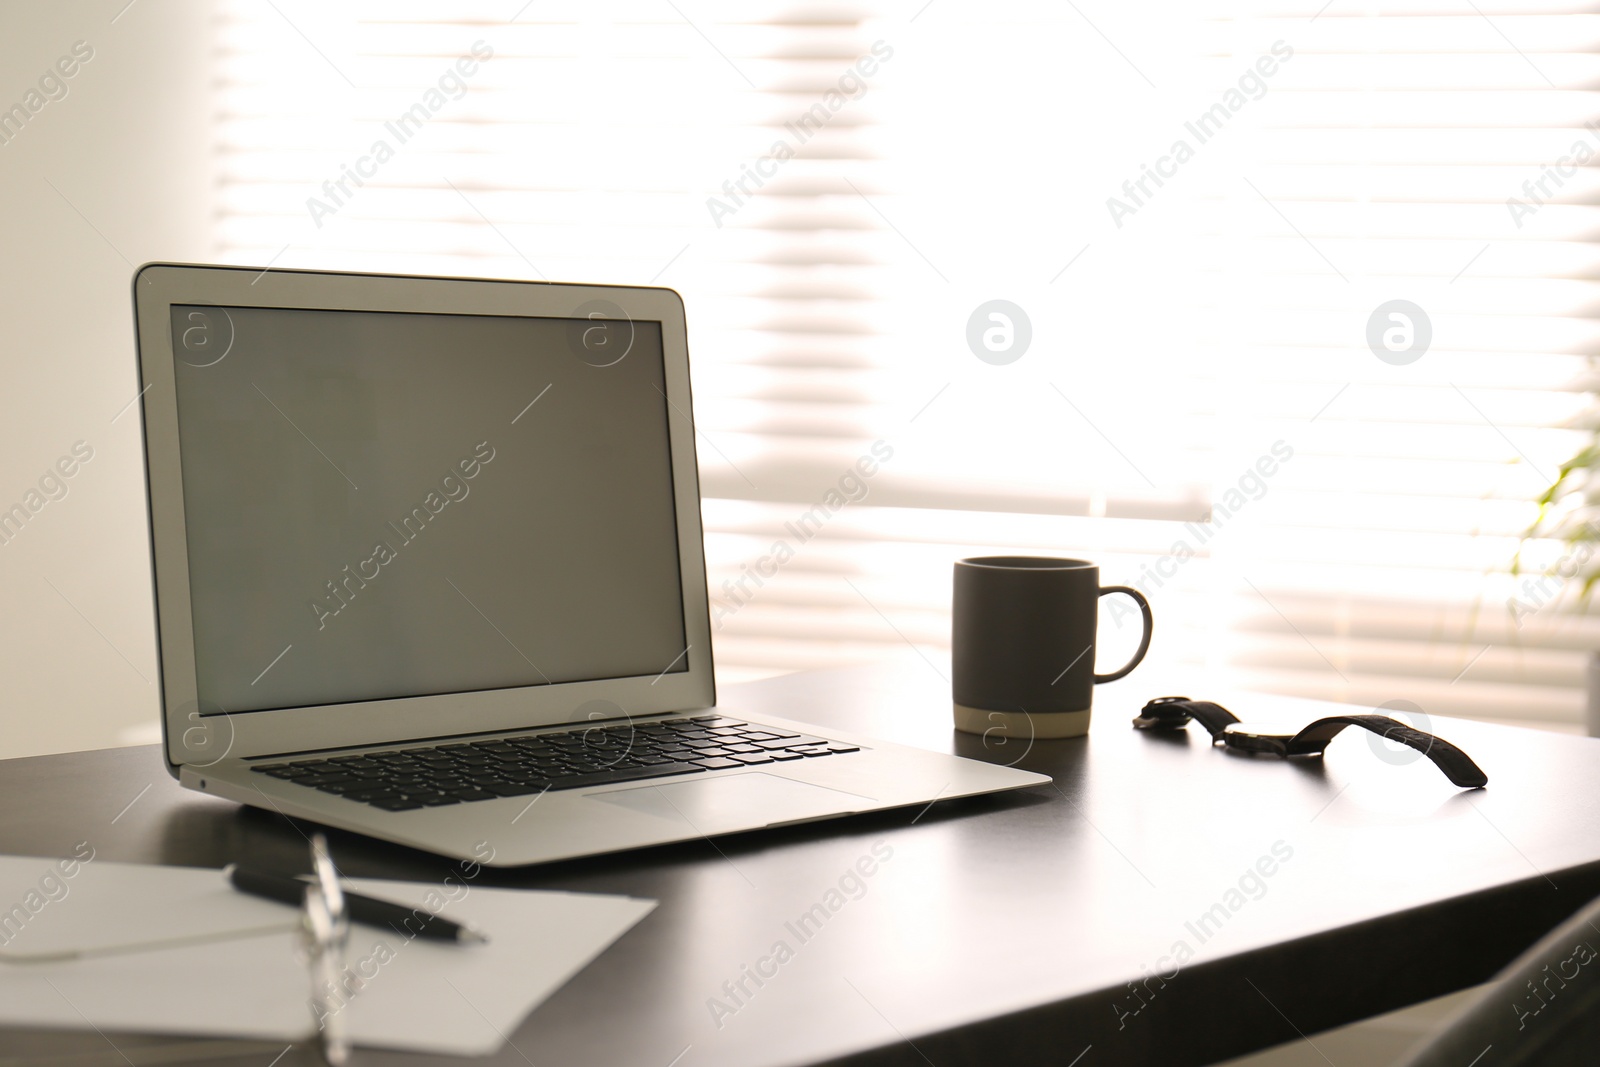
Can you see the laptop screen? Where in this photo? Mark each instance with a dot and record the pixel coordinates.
(388, 504)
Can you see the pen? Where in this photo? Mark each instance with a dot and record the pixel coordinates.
(362, 909)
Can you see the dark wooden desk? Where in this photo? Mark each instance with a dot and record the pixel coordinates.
(1001, 930)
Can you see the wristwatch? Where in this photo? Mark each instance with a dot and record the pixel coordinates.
(1174, 713)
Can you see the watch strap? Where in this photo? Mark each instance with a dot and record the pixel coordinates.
(1456, 764)
(1174, 713)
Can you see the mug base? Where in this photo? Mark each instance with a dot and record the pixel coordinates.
(1021, 724)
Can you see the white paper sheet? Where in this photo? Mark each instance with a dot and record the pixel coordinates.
(426, 996)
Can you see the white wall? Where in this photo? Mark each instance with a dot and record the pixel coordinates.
(130, 147)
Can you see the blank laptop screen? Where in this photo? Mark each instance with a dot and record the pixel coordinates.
(384, 504)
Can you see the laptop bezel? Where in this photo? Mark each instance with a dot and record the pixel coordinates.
(203, 737)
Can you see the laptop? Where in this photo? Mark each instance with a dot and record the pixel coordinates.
(428, 566)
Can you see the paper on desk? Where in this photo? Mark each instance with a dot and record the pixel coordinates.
(422, 995)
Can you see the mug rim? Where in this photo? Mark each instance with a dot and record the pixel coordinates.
(1026, 563)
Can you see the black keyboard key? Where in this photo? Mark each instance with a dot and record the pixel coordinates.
(324, 779)
(752, 757)
(838, 746)
(718, 763)
(781, 755)
(469, 794)
(438, 801)
(517, 789)
(397, 804)
(624, 774)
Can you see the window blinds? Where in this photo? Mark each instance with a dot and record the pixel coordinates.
(838, 189)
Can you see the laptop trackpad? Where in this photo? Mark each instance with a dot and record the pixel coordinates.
(735, 802)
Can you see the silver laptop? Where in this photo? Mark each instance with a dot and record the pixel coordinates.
(428, 566)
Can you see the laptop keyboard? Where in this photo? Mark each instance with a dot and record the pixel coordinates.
(437, 775)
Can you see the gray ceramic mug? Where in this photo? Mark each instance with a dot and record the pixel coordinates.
(1022, 643)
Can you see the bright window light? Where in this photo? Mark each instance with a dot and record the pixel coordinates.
(1293, 298)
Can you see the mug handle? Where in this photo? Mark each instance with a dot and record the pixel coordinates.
(1144, 641)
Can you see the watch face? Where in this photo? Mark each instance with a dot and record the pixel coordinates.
(1260, 729)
